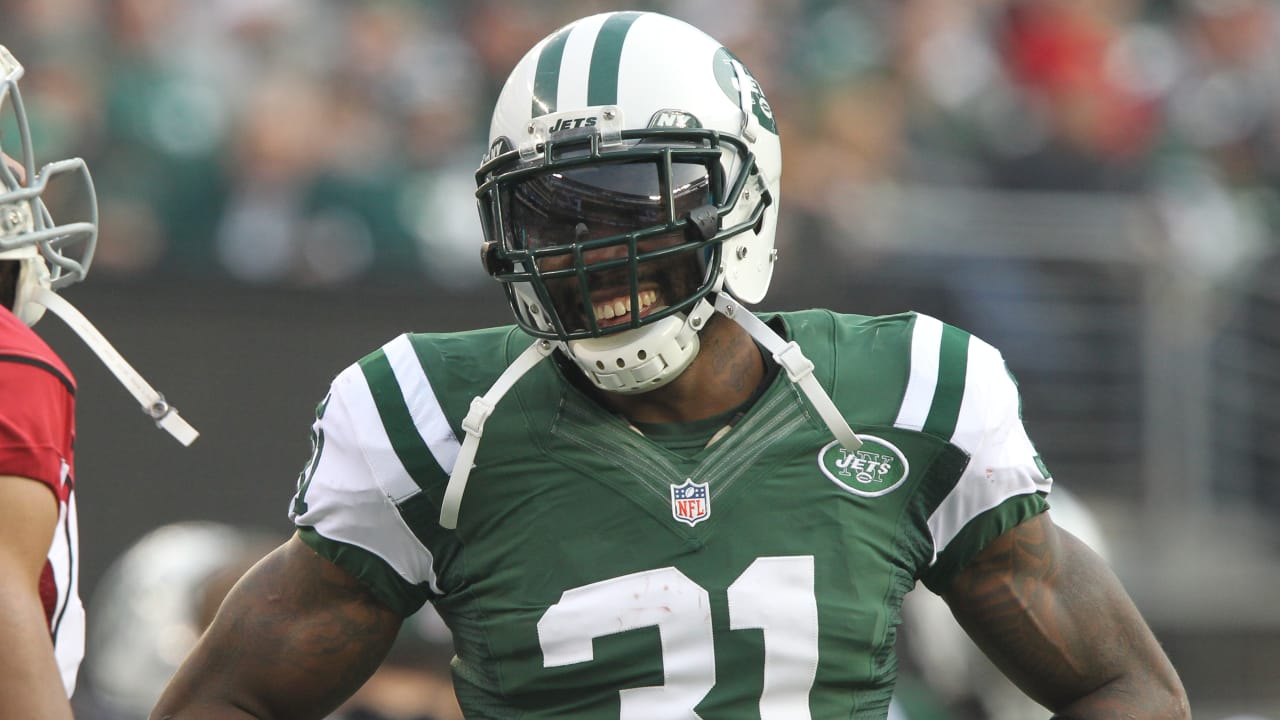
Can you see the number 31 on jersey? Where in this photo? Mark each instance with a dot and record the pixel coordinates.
(774, 594)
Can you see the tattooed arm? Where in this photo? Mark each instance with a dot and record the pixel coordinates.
(1051, 614)
(294, 638)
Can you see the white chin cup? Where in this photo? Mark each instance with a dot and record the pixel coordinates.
(643, 359)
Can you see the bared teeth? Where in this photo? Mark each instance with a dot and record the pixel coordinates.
(618, 307)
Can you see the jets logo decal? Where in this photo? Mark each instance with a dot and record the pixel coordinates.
(577, 123)
(726, 77)
(673, 119)
(499, 146)
(877, 468)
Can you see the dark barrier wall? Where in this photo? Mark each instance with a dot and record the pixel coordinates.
(246, 367)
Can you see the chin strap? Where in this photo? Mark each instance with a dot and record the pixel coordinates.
(799, 368)
(481, 408)
(153, 403)
(787, 354)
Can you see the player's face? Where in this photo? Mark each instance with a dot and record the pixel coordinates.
(661, 282)
(585, 222)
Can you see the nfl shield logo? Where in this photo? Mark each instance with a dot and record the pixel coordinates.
(690, 503)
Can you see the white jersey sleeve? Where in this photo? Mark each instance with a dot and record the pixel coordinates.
(1003, 462)
(1004, 479)
(348, 493)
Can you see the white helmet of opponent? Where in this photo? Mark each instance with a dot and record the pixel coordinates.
(50, 255)
(618, 129)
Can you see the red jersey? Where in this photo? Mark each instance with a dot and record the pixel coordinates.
(37, 435)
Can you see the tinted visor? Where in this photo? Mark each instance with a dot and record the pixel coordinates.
(564, 206)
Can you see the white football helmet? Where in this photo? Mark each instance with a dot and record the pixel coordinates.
(633, 170)
(630, 192)
(50, 255)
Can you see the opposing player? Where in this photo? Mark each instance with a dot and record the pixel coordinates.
(41, 617)
(645, 501)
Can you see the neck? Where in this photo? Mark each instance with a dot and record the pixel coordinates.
(726, 371)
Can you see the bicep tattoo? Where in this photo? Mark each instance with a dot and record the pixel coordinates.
(1050, 613)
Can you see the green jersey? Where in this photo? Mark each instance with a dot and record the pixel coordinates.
(595, 573)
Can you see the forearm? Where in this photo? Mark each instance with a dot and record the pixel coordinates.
(1137, 695)
(199, 692)
(30, 683)
(1127, 698)
(174, 706)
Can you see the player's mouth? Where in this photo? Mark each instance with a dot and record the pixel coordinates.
(617, 310)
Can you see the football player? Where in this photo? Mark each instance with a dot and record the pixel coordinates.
(645, 501)
(41, 616)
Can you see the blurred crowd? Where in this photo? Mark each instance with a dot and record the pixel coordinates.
(323, 143)
(332, 143)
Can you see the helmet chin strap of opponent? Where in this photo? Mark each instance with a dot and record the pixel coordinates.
(153, 403)
(799, 368)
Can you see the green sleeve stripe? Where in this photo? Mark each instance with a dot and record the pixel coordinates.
(977, 534)
(546, 83)
(375, 574)
(953, 360)
(413, 453)
(606, 58)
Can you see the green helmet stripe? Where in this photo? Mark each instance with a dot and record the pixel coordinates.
(953, 361)
(606, 58)
(546, 83)
(414, 455)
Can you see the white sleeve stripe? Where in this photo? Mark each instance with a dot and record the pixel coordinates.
(926, 346)
(424, 407)
(348, 506)
(971, 497)
(69, 625)
(398, 546)
(971, 423)
(1002, 458)
(387, 469)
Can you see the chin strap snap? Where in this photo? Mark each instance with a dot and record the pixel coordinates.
(153, 403)
(473, 424)
(799, 368)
